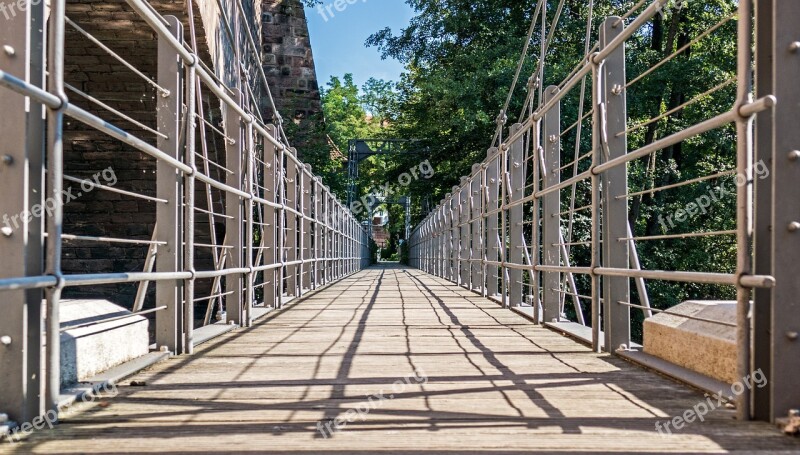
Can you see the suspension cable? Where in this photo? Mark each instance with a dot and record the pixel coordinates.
(520, 64)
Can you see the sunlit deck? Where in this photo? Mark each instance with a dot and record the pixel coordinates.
(474, 378)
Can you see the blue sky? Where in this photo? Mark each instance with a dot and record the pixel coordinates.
(338, 43)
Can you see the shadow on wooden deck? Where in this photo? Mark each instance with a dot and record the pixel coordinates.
(402, 362)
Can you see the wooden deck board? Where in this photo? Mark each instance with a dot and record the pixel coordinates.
(494, 384)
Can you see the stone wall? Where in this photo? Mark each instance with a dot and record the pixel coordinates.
(288, 60)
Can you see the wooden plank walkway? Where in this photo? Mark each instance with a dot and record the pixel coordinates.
(474, 378)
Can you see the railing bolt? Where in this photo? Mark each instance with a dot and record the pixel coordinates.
(794, 226)
(8, 160)
(792, 336)
(795, 46)
(5, 340)
(9, 50)
(794, 155)
(7, 231)
(617, 89)
(553, 138)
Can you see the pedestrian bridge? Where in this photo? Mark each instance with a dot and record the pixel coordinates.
(175, 278)
(393, 360)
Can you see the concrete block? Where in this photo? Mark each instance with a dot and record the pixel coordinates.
(704, 347)
(87, 351)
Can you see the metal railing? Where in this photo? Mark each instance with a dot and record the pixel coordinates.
(524, 229)
(275, 231)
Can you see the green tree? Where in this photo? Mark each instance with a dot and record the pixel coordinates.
(460, 58)
(380, 99)
(345, 115)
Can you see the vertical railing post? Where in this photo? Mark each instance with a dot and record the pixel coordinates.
(318, 219)
(249, 278)
(37, 187)
(348, 244)
(319, 232)
(308, 187)
(484, 236)
(270, 231)
(476, 253)
(55, 183)
(616, 317)
(443, 239)
(491, 200)
(322, 220)
(189, 212)
(464, 244)
(329, 264)
(762, 232)
(536, 218)
(595, 211)
(169, 322)
(785, 369)
(234, 209)
(516, 241)
(503, 227)
(427, 230)
(441, 213)
(342, 239)
(350, 252)
(744, 201)
(328, 236)
(21, 181)
(429, 246)
(335, 238)
(551, 209)
(302, 268)
(335, 254)
(444, 244)
(290, 232)
(337, 216)
(455, 235)
(434, 242)
(280, 224)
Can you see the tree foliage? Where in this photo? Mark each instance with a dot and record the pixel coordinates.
(460, 58)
